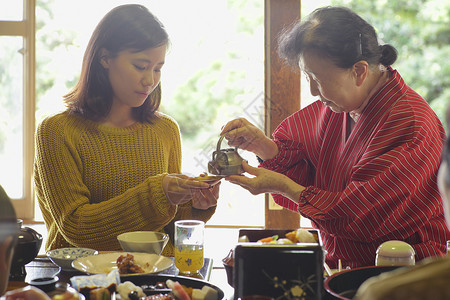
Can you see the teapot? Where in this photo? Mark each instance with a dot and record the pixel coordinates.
(225, 161)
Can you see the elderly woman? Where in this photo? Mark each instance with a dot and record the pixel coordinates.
(430, 279)
(360, 163)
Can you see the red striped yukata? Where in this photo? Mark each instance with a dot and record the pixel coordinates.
(376, 185)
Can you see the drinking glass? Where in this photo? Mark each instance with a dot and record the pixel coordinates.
(189, 236)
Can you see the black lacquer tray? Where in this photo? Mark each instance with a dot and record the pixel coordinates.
(146, 280)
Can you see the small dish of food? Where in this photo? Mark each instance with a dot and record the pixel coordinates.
(167, 287)
(279, 236)
(211, 179)
(63, 257)
(282, 237)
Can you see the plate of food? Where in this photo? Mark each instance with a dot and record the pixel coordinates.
(128, 263)
(168, 287)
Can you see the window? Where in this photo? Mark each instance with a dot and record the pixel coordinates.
(17, 77)
(232, 43)
(227, 37)
(215, 59)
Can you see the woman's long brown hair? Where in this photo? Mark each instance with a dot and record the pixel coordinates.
(125, 27)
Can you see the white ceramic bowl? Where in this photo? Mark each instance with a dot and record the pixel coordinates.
(143, 241)
(63, 257)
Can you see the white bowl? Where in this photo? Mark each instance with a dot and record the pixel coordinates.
(143, 241)
(63, 257)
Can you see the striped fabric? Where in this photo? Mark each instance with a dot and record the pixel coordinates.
(376, 185)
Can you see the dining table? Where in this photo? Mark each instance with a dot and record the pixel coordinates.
(42, 266)
(213, 271)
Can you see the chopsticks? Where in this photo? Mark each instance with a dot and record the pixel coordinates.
(327, 269)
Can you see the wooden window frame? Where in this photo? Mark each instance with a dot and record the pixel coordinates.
(282, 93)
(25, 28)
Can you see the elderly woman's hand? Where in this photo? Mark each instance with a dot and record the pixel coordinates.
(266, 181)
(180, 188)
(205, 198)
(243, 134)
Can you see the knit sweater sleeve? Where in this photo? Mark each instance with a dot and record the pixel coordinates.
(72, 217)
(184, 211)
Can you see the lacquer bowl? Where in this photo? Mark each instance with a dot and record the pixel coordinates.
(343, 285)
(27, 248)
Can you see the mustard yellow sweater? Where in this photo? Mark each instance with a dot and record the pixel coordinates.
(95, 182)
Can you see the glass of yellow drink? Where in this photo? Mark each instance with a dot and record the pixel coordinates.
(189, 235)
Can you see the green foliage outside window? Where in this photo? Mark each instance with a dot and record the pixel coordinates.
(420, 30)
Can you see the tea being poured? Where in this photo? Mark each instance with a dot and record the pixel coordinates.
(225, 161)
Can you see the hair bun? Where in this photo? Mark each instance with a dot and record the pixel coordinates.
(388, 54)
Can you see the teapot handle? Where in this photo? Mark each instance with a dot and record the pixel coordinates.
(220, 142)
(217, 152)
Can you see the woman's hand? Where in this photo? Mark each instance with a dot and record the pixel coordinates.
(244, 135)
(206, 198)
(180, 188)
(26, 293)
(266, 181)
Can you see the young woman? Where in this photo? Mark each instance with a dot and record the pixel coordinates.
(361, 162)
(110, 163)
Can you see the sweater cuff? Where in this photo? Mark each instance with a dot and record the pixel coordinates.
(158, 197)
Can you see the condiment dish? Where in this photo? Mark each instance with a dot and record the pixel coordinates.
(63, 257)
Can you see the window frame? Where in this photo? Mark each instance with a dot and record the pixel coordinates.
(282, 86)
(26, 28)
